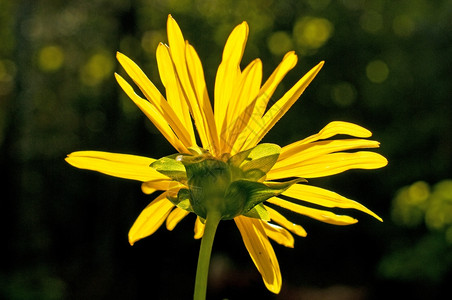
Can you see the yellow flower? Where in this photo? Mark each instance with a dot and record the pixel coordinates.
(238, 121)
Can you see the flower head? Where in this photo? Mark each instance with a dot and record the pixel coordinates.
(229, 172)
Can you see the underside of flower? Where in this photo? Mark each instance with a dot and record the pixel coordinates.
(231, 175)
(230, 185)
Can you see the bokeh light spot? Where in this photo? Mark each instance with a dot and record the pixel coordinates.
(343, 94)
(50, 58)
(279, 43)
(377, 71)
(403, 26)
(418, 192)
(311, 32)
(98, 67)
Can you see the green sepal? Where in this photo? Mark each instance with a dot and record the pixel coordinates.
(245, 194)
(254, 163)
(208, 180)
(182, 200)
(258, 212)
(170, 167)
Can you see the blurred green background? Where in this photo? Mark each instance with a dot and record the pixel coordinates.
(388, 68)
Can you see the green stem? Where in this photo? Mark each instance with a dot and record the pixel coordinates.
(212, 220)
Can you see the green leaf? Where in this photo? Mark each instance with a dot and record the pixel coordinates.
(170, 167)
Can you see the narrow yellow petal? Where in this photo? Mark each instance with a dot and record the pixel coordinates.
(196, 73)
(199, 228)
(154, 96)
(175, 217)
(279, 234)
(308, 151)
(266, 92)
(278, 109)
(174, 93)
(320, 215)
(242, 103)
(151, 186)
(331, 129)
(330, 164)
(325, 198)
(281, 220)
(150, 219)
(155, 116)
(228, 73)
(287, 63)
(115, 164)
(261, 251)
(177, 48)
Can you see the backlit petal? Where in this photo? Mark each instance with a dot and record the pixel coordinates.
(320, 215)
(150, 219)
(261, 251)
(260, 129)
(242, 103)
(155, 116)
(203, 107)
(154, 97)
(174, 92)
(331, 129)
(266, 92)
(308, 151)
(178, 49)
(325, 198)
(279, 234)
(199, 228)
(331, 164)
(115, 164)
(151, 186)
(175, 217)
(228, 73)
(281, 220)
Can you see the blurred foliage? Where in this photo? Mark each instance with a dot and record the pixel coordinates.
(65, 230)
(429, 257)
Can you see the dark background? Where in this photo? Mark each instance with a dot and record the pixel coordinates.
(64, 231)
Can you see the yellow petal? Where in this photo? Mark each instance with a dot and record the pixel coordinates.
(199, 228)
(281, 220)
(331, 129)
(151, 186)
(325, 198)
(330, 164)
(280, 108)
(175, 217)
(266, 92)
(261, 251)
(279, 234)
(174, 93)
(115, 164)
(308, 151)
(320, 215)
(178, 47)
(242, 103)
(228, 73)
(204, 107)
(150, 219)
(287, 63)
(155, 116)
